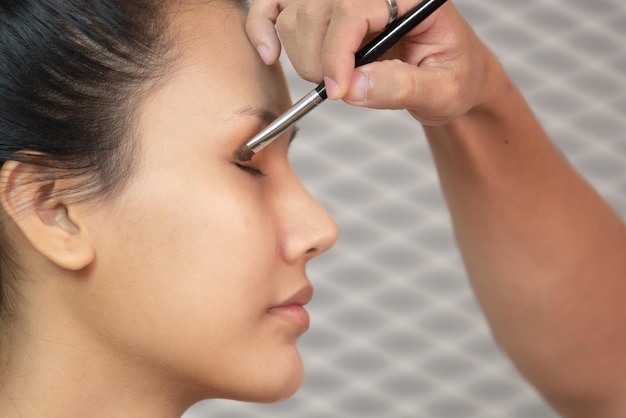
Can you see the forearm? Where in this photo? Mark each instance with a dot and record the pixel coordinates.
(544, 252)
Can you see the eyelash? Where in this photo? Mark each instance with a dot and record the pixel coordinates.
(251, 170)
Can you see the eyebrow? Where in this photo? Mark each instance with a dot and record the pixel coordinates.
(267, 117)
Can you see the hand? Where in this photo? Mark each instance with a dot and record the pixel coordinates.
(438, 72)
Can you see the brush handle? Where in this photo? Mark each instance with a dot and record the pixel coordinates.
(395, 31)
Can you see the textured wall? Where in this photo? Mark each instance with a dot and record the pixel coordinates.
(395, 329)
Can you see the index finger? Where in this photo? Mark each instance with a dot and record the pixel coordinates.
(351, 22)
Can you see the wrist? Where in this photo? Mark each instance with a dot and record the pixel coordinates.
(496, 92)
(493, 133)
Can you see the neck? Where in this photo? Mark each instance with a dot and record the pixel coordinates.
(52, 369)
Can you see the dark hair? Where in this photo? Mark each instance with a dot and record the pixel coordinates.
(72, 73)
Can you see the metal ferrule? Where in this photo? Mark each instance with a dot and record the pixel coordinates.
(284, 121)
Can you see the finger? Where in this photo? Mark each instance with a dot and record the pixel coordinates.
(351, 21)
(313, 18)
(260, 28)
(286, 25)
(432, 95)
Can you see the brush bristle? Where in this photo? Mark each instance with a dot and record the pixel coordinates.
(244, 153)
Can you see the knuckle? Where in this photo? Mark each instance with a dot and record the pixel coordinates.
(305, 69)
(346, 7)
(407, 91)
(309, 11)
(309, 73)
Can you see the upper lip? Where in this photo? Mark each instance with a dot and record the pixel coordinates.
(300, 297)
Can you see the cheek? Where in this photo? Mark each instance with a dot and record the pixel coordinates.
(194, 265)
(215, 242)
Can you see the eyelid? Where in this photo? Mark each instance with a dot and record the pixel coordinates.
(253, 171)
(250, 170)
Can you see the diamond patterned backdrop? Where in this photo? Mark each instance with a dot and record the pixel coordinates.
(395, 329)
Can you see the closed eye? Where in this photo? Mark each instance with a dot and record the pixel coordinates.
(250, 170)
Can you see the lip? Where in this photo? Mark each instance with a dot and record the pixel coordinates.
(292, 311)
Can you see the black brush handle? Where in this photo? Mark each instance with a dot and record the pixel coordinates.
(390, 36)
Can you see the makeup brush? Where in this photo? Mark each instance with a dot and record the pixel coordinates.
(369, 53)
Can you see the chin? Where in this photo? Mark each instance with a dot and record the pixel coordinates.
(286, 392)
(277, 396)
(279, 388)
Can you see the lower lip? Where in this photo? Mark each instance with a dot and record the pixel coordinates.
(293, 314)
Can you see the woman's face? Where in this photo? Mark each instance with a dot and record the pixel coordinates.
(200, 266)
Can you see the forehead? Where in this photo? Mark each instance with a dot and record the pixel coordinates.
(213, 53)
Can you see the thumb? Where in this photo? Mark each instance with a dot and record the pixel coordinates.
(431, 94)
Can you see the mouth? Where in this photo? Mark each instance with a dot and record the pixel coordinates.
(292, 309)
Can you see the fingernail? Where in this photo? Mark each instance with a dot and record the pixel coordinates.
(264, 53)
(332, 89)
(358, 89)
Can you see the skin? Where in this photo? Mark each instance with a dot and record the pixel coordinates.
(544, 252)
(168, 293)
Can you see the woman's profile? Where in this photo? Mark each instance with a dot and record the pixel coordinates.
(143, 268)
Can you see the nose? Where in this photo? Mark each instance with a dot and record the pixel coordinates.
(307, 230)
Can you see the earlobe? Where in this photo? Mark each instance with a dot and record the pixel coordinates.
(30, 196)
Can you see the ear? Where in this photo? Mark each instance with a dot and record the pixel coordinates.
(29, 194)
